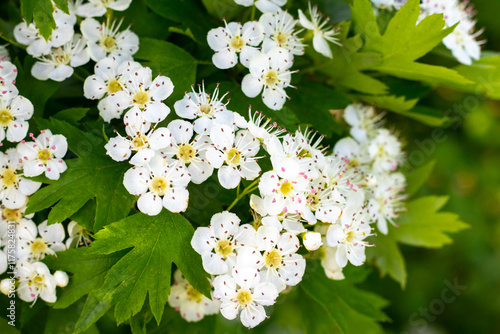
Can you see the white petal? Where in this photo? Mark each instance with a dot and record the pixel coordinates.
(134, 180)
(150, 204)
(156, 112)
(176, 201)
(214, 264)
(321, 45)
(229, 177)
(251, 86)
(161, 88)
(225, 58)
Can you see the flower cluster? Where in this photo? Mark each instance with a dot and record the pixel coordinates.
(267, 47)
(67, 49)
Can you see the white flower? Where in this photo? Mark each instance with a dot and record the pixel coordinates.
(279, 31)
(36, 281)
(61, 278)
(4, 53)
(8, 74)
(276, 258)
(312, 240)
(95, 8)
(322, 34)
(243, 294)
(329, 263)
(32, 247)
(364, 121)
(387, 201)
(78, 235)
(58, 64)
(265, 6)
(233, 39)
(187, 152)
(105, 39)
(219, 243)
(237, 151)
(44, 155)
(269, 72)
(207, 110)
(158, 185)
(14, 189)
(462, 42)
(143, 92)
(13, 118)
(348, 236)
(141, 138)
(192, 305)
(262, 128)
(385, 151)
(108, 79)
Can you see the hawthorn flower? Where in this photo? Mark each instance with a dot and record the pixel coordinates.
(265, 6)
(141, 138)
(4, 53)
(348, 236)
(77, 235)
(158, 185)
(279, 31)
(269, 73)
(8, 74)
(187, 152)
(387, 201)
(234, 155)
(262, 128)
(232, 40)
(364, 121)
(385, 151)
(95, 8)
(44, 155)
(245, 295)
(105, 40)
(219, 243)
(10, 216)
(35, 243)
(35, 281)
(462, 42)
(312, 240)
(143, 92)
(14, 188)
(192, 304)
(322, 33)
(205, 109)
(276, 258)
(329, 262)
(58, 64)
(13, 118)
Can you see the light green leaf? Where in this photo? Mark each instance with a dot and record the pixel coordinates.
(171, 61)
(387, 257)
(354, 310)
(94, 174)
(418, 176)
(485, 73)
(423, 226)
(156, 242)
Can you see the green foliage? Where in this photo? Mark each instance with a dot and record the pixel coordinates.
(417, 177)
(423, 226)
(352, 309)
(387, 257)
(156, 242)
(92, 175)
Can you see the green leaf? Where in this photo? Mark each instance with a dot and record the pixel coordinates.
(387, 257)
(423, 226)
(5, 328)
(41, 12)
(156, 242)
(63, 321)
(72, 115)
(418, 176)
(171, 61)
(86, 215)
(88, 269)
(94, 174)
(354, 310)
(403, 42)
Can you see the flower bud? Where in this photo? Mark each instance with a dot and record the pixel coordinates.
(312, 240)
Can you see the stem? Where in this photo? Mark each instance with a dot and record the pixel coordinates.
(252, 16)
(104, 132)
(254, 185)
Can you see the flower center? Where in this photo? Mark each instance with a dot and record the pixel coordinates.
(44, 155)
(286, 188)
(313, 200)
(233, 156)
(37, 281)
(350, 236)
(237, 43)
(9, 177)
(206, 109)
(159, 185)
(280, 38)
(61, 57)
(186, 153)
(224, 247)
(38, 248)
(5, 117)
(109, 43)
(141, 98)
(272, 259)
(114, 86)
(12, 215)
(271, 78)
(244, 297)
(194, 294)
(139, 142)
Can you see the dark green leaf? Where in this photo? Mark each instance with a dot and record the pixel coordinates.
(387, 257)
(72, 115)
